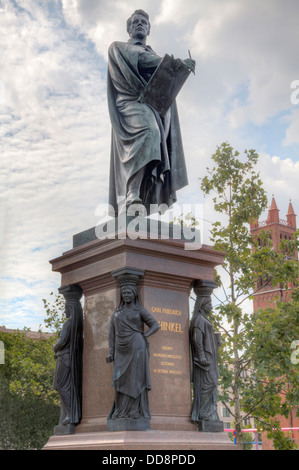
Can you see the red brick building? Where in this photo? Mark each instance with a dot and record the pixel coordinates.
(35, 335)
(265, 297)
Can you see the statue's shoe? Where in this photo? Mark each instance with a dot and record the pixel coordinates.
(133, 199)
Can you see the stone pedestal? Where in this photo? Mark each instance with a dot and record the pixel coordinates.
(142, 440)
(169, 271)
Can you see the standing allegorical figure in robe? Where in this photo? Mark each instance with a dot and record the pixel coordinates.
(68, 354)
(147, 163)
(204, 348)
(128, 350)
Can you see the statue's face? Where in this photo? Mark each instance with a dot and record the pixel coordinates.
(208, 307)
(127, 295)
(139, 27)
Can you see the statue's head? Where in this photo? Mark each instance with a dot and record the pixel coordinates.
(205, 305)
(129, 294)
(138, 25)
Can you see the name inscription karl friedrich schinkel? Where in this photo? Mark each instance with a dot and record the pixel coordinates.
(168, 359)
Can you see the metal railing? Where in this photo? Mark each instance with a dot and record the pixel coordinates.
(255, 432)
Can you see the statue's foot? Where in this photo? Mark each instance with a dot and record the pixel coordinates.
(133, 199)
(66, 420)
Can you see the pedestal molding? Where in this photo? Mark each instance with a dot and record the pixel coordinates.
(142, 440)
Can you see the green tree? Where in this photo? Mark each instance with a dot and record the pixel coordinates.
(239, 197)
(28, 404)
(55, 315)
(247, 437)
(29, 407)
(274, 386)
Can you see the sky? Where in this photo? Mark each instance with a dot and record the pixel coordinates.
(55, 128)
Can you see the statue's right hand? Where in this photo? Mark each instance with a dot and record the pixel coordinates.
(203, 360)
(190, 63)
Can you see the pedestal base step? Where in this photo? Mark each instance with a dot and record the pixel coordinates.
(128, 424)
(141, 440)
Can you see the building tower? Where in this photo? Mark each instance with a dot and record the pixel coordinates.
(280, 229)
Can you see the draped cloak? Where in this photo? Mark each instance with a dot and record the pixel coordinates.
(69, 351)
(140, 136)
(204, 378)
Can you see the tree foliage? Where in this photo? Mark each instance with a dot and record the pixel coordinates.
(255, 361)
(29, 407)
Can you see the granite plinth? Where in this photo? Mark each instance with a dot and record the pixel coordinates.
(127, 424)
(141, 440)
(137, 227)
(64, 429)
(210, 426)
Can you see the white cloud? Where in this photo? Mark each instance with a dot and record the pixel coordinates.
(280, 177)
(55, 129)
(53, 147)
(104, 21)
(249, 45)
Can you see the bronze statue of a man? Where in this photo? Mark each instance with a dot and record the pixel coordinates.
(147, 159)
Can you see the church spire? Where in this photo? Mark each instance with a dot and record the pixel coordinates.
(291, 216)
(273, 214)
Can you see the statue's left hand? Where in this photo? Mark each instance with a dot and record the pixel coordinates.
(146, 340)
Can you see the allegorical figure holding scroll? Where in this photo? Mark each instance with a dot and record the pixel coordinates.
(129, 352)
(147, 159)
(204, 347)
